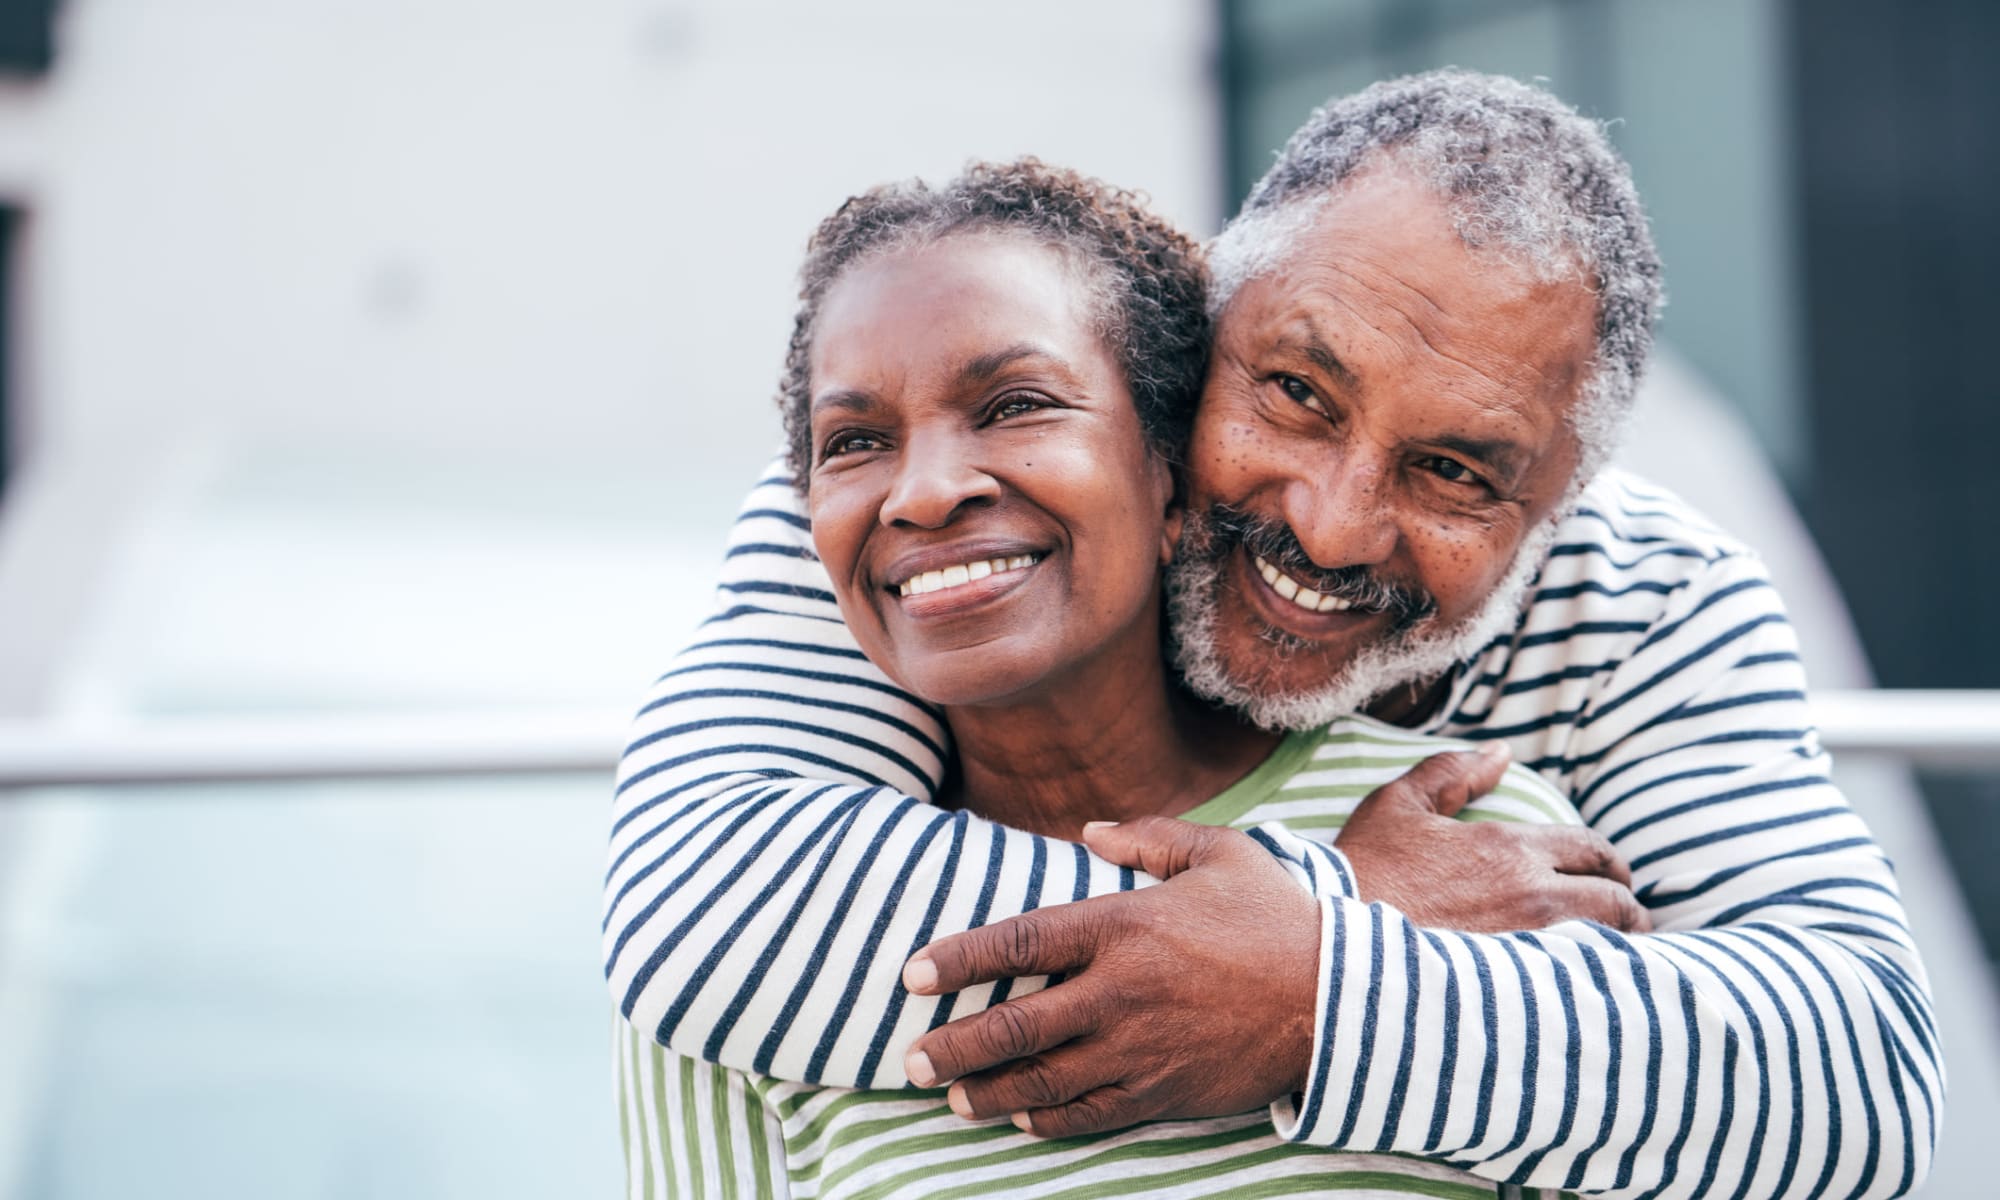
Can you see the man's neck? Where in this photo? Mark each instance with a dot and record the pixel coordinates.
(1411, 704)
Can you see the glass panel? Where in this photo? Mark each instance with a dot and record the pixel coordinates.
(309, 990)
(1698, 92)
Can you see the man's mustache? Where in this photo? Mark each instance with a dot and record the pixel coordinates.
(1221, 528)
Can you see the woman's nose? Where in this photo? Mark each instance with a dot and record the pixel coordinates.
(935, 480)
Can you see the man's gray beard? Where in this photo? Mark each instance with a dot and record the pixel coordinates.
(1417, 654)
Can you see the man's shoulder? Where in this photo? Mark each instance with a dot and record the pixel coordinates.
(1621, 519)
(1630, 553)
(1627, 568)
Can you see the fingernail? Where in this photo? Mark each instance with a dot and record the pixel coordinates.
(1090, 825)
(920, 975)
(1021, 1123)
(1494, 752)
(959, 1104)
(917, 1065)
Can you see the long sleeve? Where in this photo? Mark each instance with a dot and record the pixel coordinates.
(774, 859)
(692, 1128)
(1773, 1038)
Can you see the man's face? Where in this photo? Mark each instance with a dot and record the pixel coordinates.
(1382, 434)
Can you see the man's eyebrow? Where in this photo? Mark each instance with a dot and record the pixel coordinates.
(1305, 339)
(986, 366)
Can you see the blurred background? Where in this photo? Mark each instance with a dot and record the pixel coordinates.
(378, 379)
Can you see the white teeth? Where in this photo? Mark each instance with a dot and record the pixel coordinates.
(961, 574)
(1304, 597)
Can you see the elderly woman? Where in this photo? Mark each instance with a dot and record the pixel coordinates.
(988, 387)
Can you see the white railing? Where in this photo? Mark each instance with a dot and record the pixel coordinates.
(1927, 728)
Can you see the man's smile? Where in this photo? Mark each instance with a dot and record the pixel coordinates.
(1291, 589)
(1304, 612)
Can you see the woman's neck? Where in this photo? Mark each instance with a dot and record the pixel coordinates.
(1109, 741)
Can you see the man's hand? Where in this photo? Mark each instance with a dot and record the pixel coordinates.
(1481, 876)
(1193, 998)
(1196, 998)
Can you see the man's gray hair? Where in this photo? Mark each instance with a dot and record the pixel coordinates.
(1522, 173)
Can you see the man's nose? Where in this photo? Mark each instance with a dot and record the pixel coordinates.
(935, 479)
(1345, 515)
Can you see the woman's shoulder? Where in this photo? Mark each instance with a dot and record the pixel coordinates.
(1363, 751)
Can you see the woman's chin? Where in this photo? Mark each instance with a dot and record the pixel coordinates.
(975, 678)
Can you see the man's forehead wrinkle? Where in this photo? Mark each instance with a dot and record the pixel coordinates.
(1539, 374)
(1332, 295)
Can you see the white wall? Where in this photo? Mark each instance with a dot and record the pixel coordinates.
(376, 245)
(565, 225)
(413, 353)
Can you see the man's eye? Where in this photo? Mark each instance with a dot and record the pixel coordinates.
(1451, 470)
(1301, 392)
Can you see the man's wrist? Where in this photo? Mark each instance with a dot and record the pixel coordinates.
(1323, 871)
(1306, 1029)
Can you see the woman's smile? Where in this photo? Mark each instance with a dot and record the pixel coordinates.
(959, 574)
(982, 492)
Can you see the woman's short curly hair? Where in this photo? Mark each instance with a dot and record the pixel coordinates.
(1148, 281)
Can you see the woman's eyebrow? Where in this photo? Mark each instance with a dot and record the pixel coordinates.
(986, 366)
(844, 398)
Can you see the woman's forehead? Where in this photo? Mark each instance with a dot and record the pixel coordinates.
(949, 302)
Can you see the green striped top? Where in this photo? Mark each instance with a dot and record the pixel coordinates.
(692, 1129)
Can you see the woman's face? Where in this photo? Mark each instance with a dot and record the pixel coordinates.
(981, 492)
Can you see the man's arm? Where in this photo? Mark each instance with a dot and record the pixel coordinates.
(1776, 1039)
(774, 857)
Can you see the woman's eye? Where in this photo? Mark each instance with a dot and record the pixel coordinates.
(1014, 406)
(1300, 392)
(849, 442)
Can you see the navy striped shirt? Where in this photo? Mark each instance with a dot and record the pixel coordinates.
(774, 860)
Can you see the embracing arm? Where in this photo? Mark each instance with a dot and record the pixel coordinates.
(1773, 1038)
(774, 857)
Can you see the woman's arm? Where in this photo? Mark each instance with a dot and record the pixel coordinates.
(692, 1128)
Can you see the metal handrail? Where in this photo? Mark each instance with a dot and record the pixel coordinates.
(242, 749)
(1926, 728)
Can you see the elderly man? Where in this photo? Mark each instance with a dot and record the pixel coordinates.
(1431, 317)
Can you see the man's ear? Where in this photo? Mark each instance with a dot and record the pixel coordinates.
(1173, 502)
